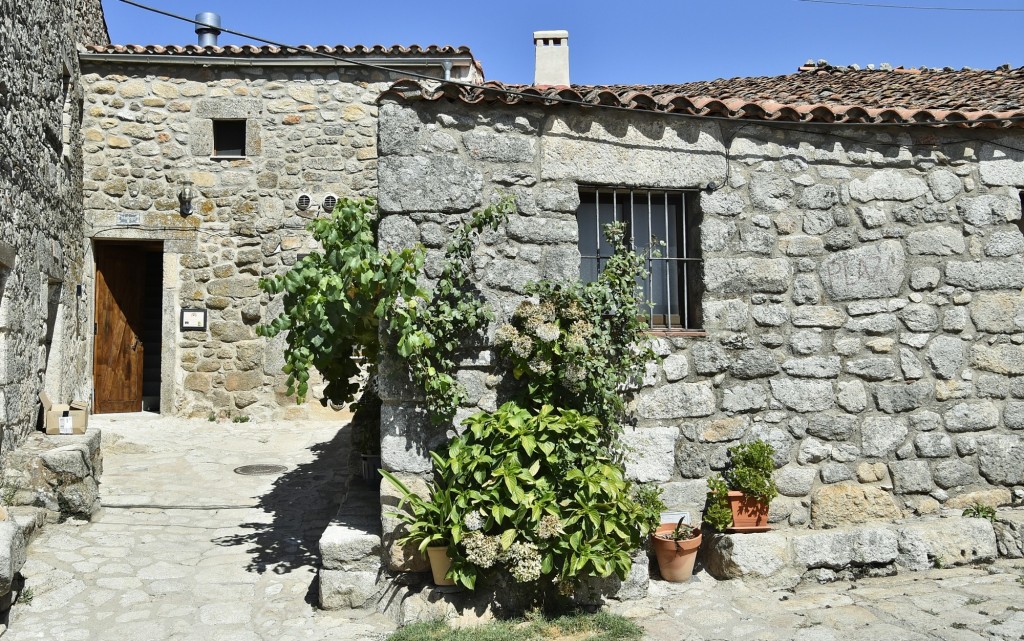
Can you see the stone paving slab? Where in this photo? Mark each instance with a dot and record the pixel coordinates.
(185, 549)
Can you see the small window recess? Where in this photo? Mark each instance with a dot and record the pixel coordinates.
(229, 139)
(1020, 221)
(66, 114)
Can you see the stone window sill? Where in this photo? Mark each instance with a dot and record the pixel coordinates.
(228, 157)
(675, 333)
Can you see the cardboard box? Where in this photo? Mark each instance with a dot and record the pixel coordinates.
(64, 419)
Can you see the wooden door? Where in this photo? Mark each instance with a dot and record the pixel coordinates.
(117, 363)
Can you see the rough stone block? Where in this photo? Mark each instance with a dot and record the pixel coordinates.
(650, 453)
(351, 543)
(803, 396)
(764, 556)
(945, 356)
(999, 359)
(888, 184)
(954, 473)
(940, 241)
(746, 275)
(873, 271)
(950, 541)
(985, 275)
(893, 399)
(677, 400)
(845, 548)
(882, 435)
(911, 477)
(795, 481)
(439, 183)
(345, 589)
(1001, 458)
(998, 312)
(851, 504)
(818, 316)
(933, 445)
(12, 553)
(972, 417)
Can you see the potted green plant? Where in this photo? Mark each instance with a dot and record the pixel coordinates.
(747, 486)
(675, 547)
(427, 525)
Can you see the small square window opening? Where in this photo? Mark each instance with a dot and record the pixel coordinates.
(664, 226)
(229, 138)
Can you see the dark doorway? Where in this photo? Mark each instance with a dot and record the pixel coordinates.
(129, 309)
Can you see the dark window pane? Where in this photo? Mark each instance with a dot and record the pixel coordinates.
(669, 220)
(228, 137)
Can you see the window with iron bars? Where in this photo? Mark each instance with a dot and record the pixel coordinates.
(662, 225)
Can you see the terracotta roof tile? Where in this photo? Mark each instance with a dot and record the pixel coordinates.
(965, 97)
(275, 52)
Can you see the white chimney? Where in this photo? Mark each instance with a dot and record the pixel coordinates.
(552, 58)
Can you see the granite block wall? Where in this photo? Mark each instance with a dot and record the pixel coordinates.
(862, 310)
(43, 320)
(148, 128)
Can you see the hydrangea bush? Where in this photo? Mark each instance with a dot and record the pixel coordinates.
(583, 346)
(535, 494)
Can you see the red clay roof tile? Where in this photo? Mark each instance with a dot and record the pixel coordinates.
(964, 97)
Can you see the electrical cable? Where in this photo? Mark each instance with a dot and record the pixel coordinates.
(534, 96)
(904, 6)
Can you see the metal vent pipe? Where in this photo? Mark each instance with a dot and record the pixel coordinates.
(208, 29)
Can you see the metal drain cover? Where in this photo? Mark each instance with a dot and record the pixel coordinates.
(261, 468)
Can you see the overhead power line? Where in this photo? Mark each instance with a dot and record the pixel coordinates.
(547, 98)
(872, 5)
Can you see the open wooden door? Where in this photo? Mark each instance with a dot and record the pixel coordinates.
(117, 361)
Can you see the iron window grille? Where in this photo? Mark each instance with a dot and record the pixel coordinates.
(662, 225)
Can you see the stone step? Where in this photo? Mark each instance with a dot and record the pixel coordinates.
(785, 557)
(350, 552)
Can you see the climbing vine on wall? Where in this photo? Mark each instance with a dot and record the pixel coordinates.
(335, 301)
(431, 331)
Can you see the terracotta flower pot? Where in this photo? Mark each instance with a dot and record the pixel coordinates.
(747, 512)
(675, 558)
(440, 563)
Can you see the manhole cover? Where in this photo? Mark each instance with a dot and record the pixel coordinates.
(262, 468)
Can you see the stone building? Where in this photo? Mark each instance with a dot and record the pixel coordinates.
(202, 166)
(842, 275)
(44, 322)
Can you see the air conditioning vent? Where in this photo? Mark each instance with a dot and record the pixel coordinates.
(330, 200)
(303, 202)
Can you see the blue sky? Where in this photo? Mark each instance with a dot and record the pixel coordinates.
(620, 42)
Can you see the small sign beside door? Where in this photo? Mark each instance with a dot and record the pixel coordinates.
(129, 219)
(193, 319)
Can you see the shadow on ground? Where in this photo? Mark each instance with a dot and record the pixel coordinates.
(298, 507)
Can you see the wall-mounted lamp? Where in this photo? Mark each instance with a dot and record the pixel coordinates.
(185, 197)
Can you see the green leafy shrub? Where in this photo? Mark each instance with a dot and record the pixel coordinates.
(335, 299)
(980, 511)
(428, 521)
(431, 331)
(750, 470)
(717, 513)
(583, 346)
(533, 494)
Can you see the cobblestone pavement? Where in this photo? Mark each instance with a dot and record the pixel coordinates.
(961, 604)
(185, 549)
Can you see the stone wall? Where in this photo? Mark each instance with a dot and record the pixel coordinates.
(43, 321)
(862, 309)
(148, 128)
